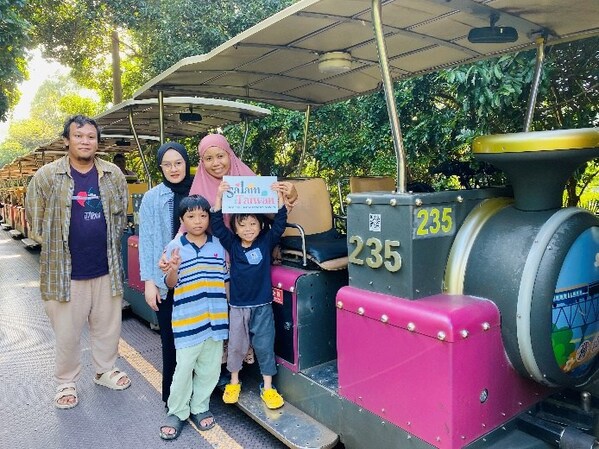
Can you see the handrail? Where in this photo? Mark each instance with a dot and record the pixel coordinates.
(534, 88)
(389, 97)
(303, 237)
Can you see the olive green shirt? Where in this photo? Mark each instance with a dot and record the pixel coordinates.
(48, 207)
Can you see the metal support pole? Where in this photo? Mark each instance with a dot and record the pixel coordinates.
(161, 115)
(141, 153)
(305, 141)
(534, 88)
(246, 124)
(389, 97)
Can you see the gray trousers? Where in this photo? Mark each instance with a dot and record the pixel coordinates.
(255, 326)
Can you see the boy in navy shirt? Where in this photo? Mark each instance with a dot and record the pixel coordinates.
(251, 318)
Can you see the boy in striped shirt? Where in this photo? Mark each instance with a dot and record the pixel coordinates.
(197, 271)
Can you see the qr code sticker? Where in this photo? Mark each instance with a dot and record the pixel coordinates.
(374, 222)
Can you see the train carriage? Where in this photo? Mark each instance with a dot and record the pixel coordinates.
(427, 329)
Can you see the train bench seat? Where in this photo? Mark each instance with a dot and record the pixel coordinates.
(311, 236)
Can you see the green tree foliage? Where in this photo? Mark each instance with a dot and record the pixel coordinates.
(441, 113)
(13, 67)
(55, 100)
(10, 149)
(153, 34)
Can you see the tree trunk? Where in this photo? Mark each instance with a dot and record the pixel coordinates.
(117, 88)
(571, 197)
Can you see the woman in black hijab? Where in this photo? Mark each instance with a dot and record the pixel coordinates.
(158, 224)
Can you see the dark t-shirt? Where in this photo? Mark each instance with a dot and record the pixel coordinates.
(250, 281)
(87, 232)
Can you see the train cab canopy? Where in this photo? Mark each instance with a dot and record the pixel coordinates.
(318, 52)
(181, 116)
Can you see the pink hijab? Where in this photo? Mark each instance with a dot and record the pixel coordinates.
(205, 184)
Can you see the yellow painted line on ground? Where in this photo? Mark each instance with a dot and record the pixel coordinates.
(216, 436)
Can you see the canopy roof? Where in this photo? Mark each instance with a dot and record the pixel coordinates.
(146, 116)
(117, 134)
(276, 61)
(26, 165)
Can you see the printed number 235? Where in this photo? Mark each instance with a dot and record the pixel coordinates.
(380, 253)
(434, 221)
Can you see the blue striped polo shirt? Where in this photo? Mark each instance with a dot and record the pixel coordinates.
(200, 310)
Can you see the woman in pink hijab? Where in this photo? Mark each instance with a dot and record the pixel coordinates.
(217, 159)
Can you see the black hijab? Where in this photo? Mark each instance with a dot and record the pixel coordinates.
(180, 189)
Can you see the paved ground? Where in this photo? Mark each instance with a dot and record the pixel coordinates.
(104, 418)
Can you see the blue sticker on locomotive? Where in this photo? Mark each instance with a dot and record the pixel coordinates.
(575, 315)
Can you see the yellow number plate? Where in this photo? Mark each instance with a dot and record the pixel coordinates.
(435, 221)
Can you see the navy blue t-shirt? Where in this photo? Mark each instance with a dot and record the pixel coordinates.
(87, 232)
(250, 281)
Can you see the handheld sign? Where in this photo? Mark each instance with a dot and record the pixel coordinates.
(250, 194)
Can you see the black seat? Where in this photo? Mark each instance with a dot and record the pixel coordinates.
(311, 235)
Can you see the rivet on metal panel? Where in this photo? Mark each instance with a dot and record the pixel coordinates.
(441, 335)
(483, 425)
(339, 304)
(384, 318)
(393, 202)
(368, 201)
(484, 395)
(463, 437)
(382, 410)
(360, 310)
(409, 437)
(460, 199)
(438, 438)
(464, 333)
(519, 404)
(585, 398)
(279, 285)
(370, 283)
(291, 289)
(348, 200)
(409, 423)
(418, 202)
(411, 327)
(486, 326)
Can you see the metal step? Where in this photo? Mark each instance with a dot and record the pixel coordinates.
(30, 243)
(15, 234)
(289, 424)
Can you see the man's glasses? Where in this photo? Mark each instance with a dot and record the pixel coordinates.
(169, 166)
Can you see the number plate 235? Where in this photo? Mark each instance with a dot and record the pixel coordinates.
(433, 222)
